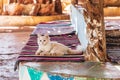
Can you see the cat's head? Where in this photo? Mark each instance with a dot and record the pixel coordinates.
(43, 39)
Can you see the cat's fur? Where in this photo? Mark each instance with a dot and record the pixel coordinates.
(47, 47)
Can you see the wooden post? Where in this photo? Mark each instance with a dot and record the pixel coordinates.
(74, 2)
(58, 6)
(96, 49)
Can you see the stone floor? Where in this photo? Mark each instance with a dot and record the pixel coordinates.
(10, 46)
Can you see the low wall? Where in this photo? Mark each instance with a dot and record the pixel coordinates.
(112, 11)
(28, 20)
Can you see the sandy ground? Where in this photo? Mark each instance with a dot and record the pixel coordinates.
(10, 46)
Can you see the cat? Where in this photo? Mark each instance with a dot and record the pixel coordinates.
(47, 47)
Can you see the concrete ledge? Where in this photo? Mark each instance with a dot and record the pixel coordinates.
(28, 20)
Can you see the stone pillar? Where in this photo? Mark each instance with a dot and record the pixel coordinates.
(95, 30)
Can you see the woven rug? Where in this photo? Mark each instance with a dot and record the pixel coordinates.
(71, 40)
(112, 27)
(60, 31)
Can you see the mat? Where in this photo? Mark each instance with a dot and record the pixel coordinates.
(60, 31)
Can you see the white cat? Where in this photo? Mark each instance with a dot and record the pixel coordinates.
(47, 47)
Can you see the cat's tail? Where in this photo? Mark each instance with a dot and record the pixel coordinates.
(78, 50)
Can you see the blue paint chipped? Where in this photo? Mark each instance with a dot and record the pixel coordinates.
(58, 77)
(34, 74)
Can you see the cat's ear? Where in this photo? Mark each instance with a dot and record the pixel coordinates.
(47, 36)
(39, 35)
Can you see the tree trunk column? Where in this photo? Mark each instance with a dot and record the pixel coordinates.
(96, 49)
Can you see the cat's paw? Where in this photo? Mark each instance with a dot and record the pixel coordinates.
(37, 53)
(56, 54)
(51, 54)
(41, 54)
(44, 54)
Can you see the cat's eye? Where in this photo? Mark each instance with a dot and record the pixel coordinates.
(44, 40)
(40, 40)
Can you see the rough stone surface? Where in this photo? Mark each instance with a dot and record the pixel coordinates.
(10, 46)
